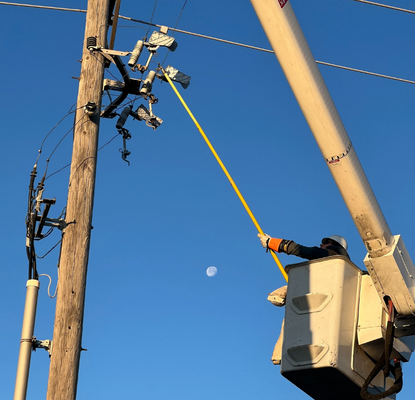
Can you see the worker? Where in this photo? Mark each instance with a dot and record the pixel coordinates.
(334, 245)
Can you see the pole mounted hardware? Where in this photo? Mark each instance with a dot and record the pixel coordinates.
(142, 113)
(109, 110)
(59, 223)
(43, 219)
(157, 40)
(135, 54)
(90, 108)
(175, 75)
(42, 344)
(137, 87)
(125, 136)
(124, 132)
(123, 117)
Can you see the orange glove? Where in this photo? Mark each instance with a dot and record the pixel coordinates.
(274, 244)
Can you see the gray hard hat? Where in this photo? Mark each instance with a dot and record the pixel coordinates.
(338, 239)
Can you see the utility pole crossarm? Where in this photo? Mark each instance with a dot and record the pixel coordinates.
(67, 335)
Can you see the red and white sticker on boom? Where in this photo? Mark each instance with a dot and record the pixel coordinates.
(282, 3)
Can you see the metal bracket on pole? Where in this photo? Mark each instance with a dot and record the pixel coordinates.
(42, 344)
(125, 136)
(52, 222)
(109, 111)
(45, 221)
(108, 54)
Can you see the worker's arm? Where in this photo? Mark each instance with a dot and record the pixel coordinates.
(309, 253)
(290, 247)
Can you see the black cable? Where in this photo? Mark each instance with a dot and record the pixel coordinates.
(49, 250)
(69, 112)
(31, 247)
(108, 142)
(68, 165)
(79, 166)
(64, 136)
(175, 26)
(29, 220)
(45, 235)
(59, 170)
(152, 15)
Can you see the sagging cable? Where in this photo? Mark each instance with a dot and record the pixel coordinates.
(248, 210)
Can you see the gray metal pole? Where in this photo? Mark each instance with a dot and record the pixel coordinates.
(22, 375)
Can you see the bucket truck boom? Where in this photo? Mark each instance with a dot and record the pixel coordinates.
(394, 277)
(390, 267)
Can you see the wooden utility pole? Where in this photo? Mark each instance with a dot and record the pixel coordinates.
(67, 334)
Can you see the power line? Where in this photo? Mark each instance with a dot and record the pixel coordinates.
(271, 51)
(236, 43)
(385, 6)
(84, 11)
(365, 72)
(175, 26)
(6, 3)
(152, 15)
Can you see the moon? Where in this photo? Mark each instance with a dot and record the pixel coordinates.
(211, 271)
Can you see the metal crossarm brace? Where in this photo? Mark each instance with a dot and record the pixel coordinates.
(43, 218)
(108, 112)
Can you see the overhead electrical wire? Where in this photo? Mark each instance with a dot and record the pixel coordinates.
(385, 6)
(271, 51)
(151, 20)
(6, 3)
(68, 165)
(365, 72)
(69, 113)
(40, 257)
(236, 43)
(175, 26)
(181, 12)
(70, 130)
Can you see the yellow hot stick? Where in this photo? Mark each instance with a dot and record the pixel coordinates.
(226, 172)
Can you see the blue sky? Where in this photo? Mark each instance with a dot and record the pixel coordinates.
(155, 324)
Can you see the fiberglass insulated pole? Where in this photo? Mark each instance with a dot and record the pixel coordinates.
(26, 341)
(248, 210)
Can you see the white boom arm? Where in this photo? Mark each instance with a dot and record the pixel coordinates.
(298, 64)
